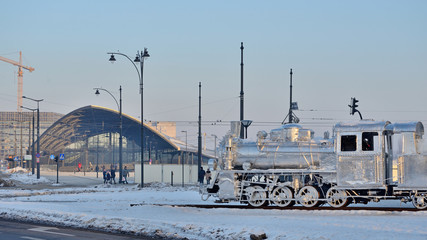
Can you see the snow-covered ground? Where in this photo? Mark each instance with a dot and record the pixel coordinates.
(108, 208)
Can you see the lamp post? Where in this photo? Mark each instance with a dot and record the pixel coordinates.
(121, 128)
(140, 56)
(33, 160)
(246, 124)
(185, 157)
(38, 132)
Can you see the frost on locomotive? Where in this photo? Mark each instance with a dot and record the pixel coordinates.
(361, 162)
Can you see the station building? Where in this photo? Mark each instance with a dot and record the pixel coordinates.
(89, 137)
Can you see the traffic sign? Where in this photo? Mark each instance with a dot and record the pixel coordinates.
(52, 157)
(16, 158)
(62, 157)
(38, 155)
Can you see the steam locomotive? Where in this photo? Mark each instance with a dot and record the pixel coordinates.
(363, 161)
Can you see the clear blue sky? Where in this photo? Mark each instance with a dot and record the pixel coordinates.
(375, 51)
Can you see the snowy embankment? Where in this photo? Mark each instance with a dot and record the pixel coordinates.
(107, 208)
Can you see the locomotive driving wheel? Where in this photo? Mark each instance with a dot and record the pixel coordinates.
(419, 200)
(282, 197)
(308, 196)
(256, 196)
(337, 198)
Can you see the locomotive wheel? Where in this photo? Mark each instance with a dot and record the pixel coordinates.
(419, 200)
(337, 198)
(281, 196)
(308, 196)
(256, 196)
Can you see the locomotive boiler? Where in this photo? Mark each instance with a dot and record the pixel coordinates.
(363, 161)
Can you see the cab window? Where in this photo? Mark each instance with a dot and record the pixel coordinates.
(368, 141)
(348, 143)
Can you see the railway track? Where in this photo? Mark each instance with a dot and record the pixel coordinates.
(321, 208)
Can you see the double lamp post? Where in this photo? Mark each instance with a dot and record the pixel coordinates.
(38, 135)
(140, 56)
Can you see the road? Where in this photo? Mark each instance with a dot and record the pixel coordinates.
(11, 230)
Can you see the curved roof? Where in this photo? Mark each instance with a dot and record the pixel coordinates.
(91, 120)
(363, 125)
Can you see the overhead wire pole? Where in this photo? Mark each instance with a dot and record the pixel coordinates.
(241, 91)
(185, 157)
(292, 118)
(199, 145)
(290, 100)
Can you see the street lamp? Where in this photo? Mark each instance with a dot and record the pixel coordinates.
(33, 157)
(140, 56)
(121, 128)
(246, 124)
(185, 155)
(38, 132)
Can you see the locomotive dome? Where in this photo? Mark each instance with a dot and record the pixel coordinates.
(291, 133)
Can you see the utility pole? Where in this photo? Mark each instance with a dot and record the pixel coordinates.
(199, 145)
(213, 135)
(241, 91)
(292, 118)
(290, 101)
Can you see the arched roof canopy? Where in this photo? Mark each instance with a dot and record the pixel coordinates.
(90, 121)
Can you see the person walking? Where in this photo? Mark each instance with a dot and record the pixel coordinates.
(108, 177)
(208, 176)
(104, 174)
(125, 174)
(113, 175)
(201, 175)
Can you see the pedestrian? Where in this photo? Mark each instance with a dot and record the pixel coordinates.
(208, 176)
(108, 177)
(125, 174)
(113, 175)
(104, 174)
(201, 175)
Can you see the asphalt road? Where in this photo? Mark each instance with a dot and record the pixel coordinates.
(11, 230)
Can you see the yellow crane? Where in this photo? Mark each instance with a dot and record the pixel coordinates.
(20, 75)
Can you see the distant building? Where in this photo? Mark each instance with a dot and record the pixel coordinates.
(15, 131)
(167, 128)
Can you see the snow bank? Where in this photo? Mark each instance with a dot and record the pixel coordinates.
(17, 170)
(28, 178)
(107, 208)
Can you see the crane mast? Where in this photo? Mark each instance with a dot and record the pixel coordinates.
(20, 76)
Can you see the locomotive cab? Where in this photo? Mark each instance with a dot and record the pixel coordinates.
(380, 160)
(364, 155)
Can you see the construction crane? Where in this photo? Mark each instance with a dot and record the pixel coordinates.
(20, 75)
